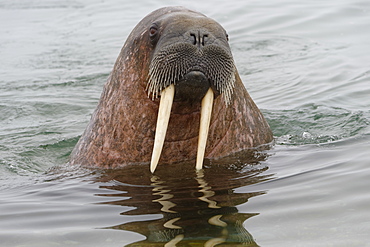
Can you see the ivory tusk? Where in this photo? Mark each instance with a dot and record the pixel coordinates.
(164, 112)
(205, 119)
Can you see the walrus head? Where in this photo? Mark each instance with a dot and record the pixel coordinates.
(175, 64)
(190, 65)
(193, 59)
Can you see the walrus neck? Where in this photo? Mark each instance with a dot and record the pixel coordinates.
(184, 122)
(182, 108)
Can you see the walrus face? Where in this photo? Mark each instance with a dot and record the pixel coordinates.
(191, 62)
(191, 52)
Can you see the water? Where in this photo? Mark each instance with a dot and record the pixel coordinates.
(306, 65)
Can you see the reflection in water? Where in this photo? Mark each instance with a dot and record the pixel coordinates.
(196, 208)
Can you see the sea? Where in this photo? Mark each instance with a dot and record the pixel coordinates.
(306, 64)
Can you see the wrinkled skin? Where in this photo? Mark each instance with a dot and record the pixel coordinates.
(122, 128)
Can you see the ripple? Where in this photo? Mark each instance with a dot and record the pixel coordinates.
(27, 160)
(316, 124)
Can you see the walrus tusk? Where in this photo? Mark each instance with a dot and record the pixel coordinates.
(205, 119)
(164, 112)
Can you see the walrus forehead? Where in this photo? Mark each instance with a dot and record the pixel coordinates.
(177, 25)
(183, 17)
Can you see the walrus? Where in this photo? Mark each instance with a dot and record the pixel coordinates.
(174, 95)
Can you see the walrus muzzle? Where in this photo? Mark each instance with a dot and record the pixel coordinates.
(185, 72)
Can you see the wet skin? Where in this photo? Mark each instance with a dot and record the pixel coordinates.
(179, 47)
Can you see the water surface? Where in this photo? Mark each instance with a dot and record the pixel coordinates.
(306, 65)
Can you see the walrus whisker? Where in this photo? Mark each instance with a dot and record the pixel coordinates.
(174, 61)
(164, 112)
(205, 119)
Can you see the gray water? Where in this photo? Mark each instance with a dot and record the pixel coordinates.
(306, 65)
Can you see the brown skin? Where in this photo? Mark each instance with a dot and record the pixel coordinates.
(121, 130)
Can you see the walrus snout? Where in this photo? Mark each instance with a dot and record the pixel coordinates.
(192, 87)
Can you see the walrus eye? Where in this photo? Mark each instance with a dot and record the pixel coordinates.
(153, 33)
(227, 37)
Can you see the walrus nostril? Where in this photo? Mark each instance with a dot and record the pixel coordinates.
(199, 39)
(204, 39)
(194, 38)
